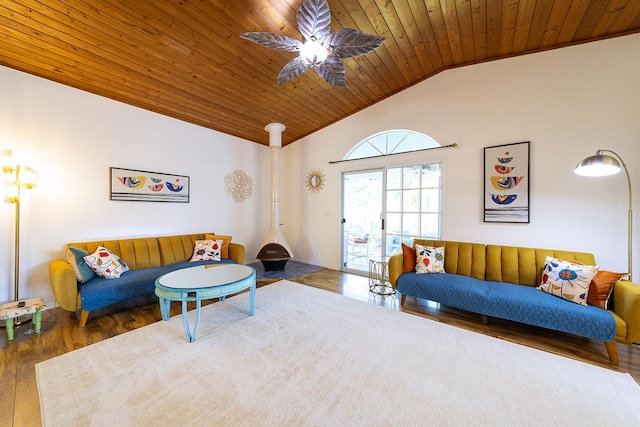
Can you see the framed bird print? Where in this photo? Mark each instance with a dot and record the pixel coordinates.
(144, 186)
(506, 183)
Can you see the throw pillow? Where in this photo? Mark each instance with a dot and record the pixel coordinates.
(567, 280)
(601, 287)
(75, 258)
(429, 259)
(409, 258)
(105, 263)
(226, 240)
(207, 250)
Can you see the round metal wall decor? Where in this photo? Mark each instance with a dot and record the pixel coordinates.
(315, 181)
(237, 185)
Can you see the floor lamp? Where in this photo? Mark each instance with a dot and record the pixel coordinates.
(16, 178)
(602, 164)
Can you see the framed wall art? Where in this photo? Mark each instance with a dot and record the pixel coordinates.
(145, 186)
(506, 183)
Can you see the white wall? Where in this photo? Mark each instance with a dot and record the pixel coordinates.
(568, 102)
(72, 138)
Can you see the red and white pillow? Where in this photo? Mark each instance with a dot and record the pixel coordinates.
(105, 263)
(207, 250)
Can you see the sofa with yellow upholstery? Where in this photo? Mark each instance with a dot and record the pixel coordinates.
(147, 259)
(483, 279)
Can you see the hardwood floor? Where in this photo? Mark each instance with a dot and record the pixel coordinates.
(19, 404)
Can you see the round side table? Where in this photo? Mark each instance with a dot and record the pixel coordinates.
(379, 277)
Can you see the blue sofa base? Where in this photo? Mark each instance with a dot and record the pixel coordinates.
(524, 304)
(100, 292)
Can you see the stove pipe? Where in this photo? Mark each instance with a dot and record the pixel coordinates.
(275, 250)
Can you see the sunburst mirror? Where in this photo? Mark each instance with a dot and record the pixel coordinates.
(315, 181)
(322, 49)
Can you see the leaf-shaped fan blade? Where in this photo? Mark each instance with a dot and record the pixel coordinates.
(350, 42)
(273, 41)
(332, 71)
(294, 68)
(314, 18)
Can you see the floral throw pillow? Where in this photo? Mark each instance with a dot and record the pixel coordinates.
(429, 259)
(105, 263)
(567, 280)
(226, 241)
(207, 250)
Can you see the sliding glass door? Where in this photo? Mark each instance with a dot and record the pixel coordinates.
(362, 218)
(383, 208)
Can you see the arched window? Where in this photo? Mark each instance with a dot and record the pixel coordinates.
(391, 142)
(390, 205)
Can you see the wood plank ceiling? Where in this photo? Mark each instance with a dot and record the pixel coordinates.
(184, 59)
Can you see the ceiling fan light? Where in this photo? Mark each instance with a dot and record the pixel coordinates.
(313, 52)
(323, 49)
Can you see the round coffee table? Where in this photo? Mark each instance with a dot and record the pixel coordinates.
(203, 282)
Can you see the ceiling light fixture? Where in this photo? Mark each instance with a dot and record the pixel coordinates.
(322, 50)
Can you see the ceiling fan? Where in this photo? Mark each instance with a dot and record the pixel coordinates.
(322, 49)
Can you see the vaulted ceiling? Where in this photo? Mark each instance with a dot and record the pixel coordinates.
(185, 59)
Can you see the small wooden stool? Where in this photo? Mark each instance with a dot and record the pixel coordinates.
(10, 310)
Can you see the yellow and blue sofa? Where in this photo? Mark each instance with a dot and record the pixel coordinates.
(147, 259)
(501, 282)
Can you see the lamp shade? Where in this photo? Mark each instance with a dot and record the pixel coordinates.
(598, 165)
(6, 161)
(28, 178)
(12, 192)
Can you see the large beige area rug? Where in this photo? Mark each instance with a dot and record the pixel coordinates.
(310, 357)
